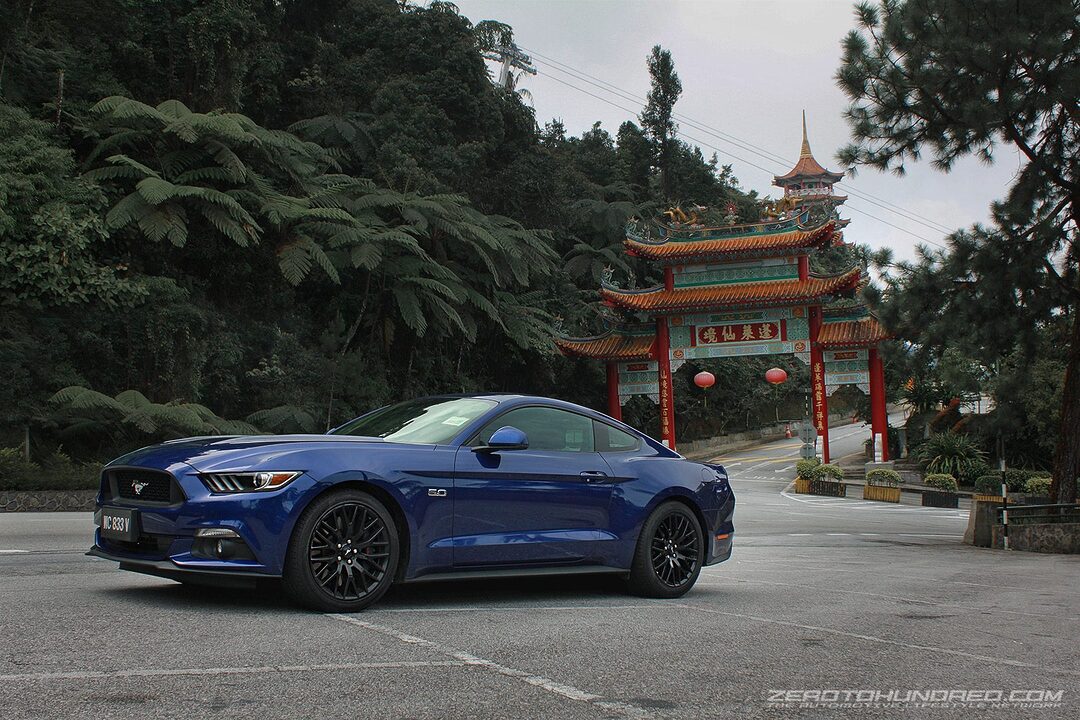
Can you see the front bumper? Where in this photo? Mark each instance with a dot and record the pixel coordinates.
(171, 570)
(263, 521)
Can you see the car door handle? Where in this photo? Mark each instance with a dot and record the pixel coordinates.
(594, 476)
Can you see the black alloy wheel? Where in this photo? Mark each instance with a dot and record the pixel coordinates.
(349, 551)
(669, 553)
(343, 554)
(675, 550)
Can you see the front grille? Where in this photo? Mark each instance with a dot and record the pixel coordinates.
(150, 486)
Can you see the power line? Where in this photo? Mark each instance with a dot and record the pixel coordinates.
(740, 159)
(737, 142)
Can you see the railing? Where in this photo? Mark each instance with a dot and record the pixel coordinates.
(1031, 514)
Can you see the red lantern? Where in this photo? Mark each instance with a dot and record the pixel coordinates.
(775, 376)
(704, 379)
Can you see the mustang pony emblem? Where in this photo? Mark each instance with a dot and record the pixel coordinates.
(138, 487)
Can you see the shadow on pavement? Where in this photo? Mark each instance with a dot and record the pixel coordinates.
(526, 591)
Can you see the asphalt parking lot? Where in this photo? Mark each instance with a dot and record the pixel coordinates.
(821, 594)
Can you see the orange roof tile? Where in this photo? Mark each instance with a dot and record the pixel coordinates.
(609, 346)
(786, 241)
(849, 333)
(774, 293)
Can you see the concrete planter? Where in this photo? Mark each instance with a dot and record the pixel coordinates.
(940, 499)
(802, 485)
(47, 500)
(987, 498)
(831, 488)
(881, 493)
(1027, 499)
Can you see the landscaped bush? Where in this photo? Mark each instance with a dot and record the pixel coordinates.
(972, 473)
(941, 481)
(883, 477)
(952, 453)
(1038, 485)
(56, 472)
(988, 485)
(805, 468)
(828, 472)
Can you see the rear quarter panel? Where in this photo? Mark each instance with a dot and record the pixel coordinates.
(646, 482)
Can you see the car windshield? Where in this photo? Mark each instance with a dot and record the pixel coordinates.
(430, 421)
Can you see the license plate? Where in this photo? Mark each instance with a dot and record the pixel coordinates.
(120, 524)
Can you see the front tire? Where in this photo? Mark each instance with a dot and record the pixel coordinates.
(669, 553)
(343, 553)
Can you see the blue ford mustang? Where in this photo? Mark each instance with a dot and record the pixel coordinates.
(480, 485)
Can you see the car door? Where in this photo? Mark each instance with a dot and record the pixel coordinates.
(542, 505)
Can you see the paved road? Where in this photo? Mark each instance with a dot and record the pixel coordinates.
(821, 594)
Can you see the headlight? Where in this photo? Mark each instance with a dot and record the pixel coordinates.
(262, 481)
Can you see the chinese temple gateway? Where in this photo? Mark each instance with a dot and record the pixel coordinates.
(739, 290)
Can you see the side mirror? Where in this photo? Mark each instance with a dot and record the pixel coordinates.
(505, 438)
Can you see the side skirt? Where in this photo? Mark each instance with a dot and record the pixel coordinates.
(519, 572)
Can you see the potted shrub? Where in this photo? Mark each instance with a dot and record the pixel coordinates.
(988, 489)
(943, 492)
(1037, 489)
(828, 480)
(882, 485)
(804, 473)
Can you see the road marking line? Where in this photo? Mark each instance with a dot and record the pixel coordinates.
(547, 684)
(884, 641)
(869, 534)
(96, 674)
(838, 534)
(13, 552)
(799, 534)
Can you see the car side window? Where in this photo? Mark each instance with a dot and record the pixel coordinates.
(612, 439)
(547, 429)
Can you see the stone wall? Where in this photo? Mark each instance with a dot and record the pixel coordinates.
(46, 500)
(1041, 537)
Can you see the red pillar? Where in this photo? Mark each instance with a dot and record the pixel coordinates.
(667, 400)
(879, 418)
(804, 268)
(669, 279)
(614, 409)
(817, 381)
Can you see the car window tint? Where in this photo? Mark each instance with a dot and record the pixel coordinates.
(612, 439)
(546, 428)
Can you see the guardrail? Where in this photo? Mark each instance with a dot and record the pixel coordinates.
(1032, 514)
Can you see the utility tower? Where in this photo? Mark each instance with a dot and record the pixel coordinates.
(509, 55)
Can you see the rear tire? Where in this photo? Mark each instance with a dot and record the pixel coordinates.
(669, 553)
(343, 554)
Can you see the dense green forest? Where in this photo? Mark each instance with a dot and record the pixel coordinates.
(243, 215)
(231, 216)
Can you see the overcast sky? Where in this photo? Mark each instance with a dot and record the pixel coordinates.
(748, 69)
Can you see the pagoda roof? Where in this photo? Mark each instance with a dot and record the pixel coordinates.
(807, 167)
(611, 345)
(852, 333)
(773, 293)
(754, 242)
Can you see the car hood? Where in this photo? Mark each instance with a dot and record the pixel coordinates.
(249, 452)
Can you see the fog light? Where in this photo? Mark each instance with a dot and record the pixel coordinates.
(216, 533)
